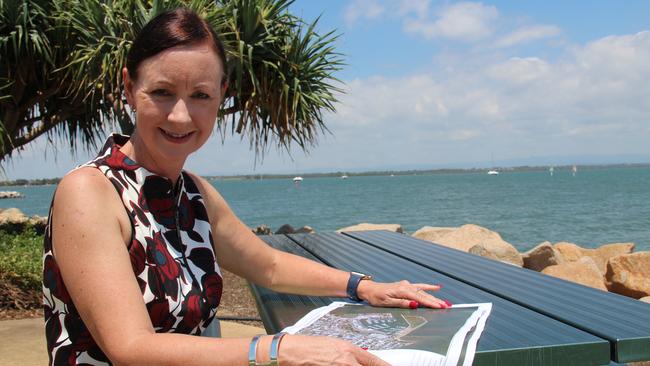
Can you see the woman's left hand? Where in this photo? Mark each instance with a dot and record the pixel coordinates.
(402, 294)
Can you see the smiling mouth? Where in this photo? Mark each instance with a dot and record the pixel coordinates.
(176, 136)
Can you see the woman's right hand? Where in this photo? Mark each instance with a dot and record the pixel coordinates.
(313, 350)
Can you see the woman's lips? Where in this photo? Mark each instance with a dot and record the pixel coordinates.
(176, 137)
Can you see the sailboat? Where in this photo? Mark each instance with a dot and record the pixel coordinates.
(493, 171)
(551, 170)
(574, 170)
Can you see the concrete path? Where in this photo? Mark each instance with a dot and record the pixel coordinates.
(22, 342)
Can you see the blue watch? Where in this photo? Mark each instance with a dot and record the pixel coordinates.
(353, 284)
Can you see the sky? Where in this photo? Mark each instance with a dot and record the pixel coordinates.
(439, 84)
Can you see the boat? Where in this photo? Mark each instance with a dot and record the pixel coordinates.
(493, 172)
(551, 170)
(344, 176)
(297, 179)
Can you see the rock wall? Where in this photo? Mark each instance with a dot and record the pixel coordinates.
(13, 220)
(613, 267)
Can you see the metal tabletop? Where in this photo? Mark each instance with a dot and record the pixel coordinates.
(521, 330)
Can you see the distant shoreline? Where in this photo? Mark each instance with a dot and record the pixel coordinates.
(525, 168)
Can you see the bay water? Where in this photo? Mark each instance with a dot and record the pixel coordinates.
(594, 207)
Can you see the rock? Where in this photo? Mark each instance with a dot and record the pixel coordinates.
(645, 299)
(305, 230)
(542, 256)
(480, 250)
(572, 252)
(10, 194)
(583, 271)
(629, 274)
(467, 236)
(603, 253)
(642, 363)
(12, 215)
(366, 226)
(285, 229)
(262, 230)
(13, 220)
(431, 233)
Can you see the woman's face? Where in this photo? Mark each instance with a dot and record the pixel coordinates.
(176, 96)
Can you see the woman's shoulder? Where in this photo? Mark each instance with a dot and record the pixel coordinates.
(84, 185)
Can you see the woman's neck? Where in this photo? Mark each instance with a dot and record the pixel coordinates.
(136, 150)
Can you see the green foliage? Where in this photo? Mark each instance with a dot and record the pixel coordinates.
(61, 62)
(20, 258)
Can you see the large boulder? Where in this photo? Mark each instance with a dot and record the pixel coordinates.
(583, 271)
(629, 274)
(366, 226)
(13, 220)
(542, 256)
(467, 236)
(603, 253)
(645, 299)
(569, 251)
(572, 252)
(12, 216)
(431, 233)
(484, 252)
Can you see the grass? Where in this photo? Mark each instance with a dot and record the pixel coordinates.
(20, 258)
(20, 271)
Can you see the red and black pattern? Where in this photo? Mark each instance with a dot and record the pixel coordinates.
(171, 255)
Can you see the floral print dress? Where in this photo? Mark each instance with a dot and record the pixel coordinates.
(171, 255)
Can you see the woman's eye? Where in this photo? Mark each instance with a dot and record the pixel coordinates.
(161, 92)
(200, 95)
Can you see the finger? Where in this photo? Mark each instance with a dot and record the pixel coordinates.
(427, 286)
(431, 301)
(366, 358)
(423, 298)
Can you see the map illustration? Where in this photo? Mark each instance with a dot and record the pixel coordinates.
(389, 328)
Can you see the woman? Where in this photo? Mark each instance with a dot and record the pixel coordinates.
(134, 242)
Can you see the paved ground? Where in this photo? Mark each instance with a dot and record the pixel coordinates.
(22, 342)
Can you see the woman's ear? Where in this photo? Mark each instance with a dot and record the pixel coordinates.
(128, 87)
(224, 88)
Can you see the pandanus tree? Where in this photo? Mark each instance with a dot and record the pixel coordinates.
(61, 62)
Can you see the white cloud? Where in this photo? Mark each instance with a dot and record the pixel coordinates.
(463, 21)
(528, 34)
(594, 95)
(360, 9)
(419, 7)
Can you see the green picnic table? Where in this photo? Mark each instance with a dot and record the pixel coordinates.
(535, 320)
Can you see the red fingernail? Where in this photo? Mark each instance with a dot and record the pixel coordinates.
(364, 348)
(448, 303)
(413, 304)
(439, 285)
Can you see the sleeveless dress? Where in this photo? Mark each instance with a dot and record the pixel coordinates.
(171, 255)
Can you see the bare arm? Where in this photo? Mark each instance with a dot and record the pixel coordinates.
(243, 253)
(90, 246)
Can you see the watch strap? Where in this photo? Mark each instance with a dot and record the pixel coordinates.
(353, 284)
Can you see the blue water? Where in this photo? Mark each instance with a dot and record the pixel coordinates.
(596, 206)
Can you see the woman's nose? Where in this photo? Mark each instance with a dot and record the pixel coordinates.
(180, 112)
